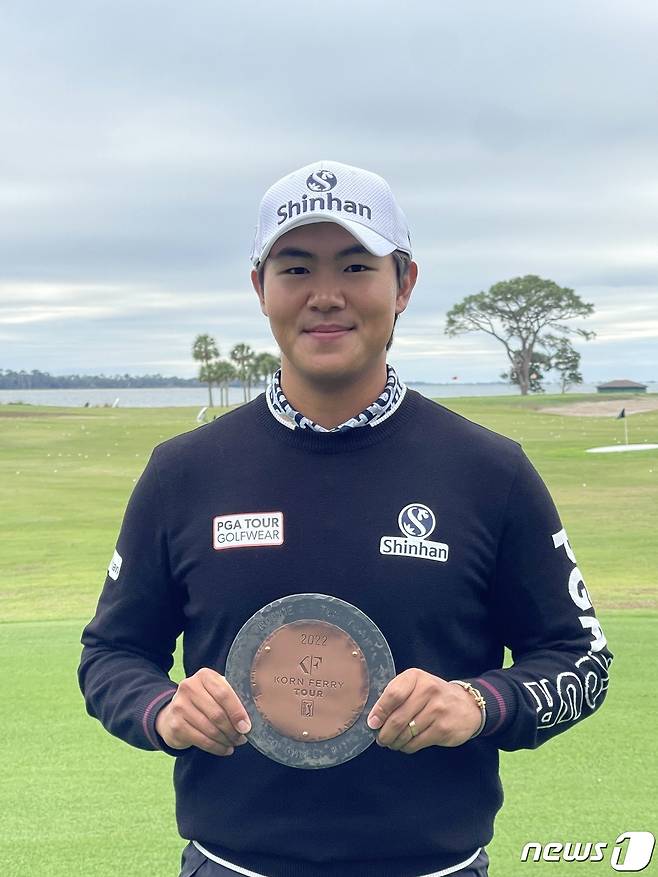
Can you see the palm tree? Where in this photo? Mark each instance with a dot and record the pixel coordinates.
(222, 373)
(265, 365)
(204, 350)
(243, 356)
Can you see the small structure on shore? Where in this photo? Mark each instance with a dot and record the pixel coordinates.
(621, 386)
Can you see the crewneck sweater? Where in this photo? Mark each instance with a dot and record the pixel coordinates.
(489, 567)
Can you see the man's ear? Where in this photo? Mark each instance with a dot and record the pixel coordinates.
(259, 290)
(406, 288)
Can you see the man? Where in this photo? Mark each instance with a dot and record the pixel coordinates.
(438, 529)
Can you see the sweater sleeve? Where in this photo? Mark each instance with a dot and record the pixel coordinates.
(128, 646)
(541, 604)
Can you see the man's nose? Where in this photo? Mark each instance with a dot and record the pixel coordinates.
(326, 294)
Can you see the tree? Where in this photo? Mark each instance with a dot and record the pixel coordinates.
(516, 312)
(204, 350)
(222, 373)
(265, 365)
(244, 356)
(539, 365)
(565, 360)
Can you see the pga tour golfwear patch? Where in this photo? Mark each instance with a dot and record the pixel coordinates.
(416, 521)
(248, 530)
(114, 568)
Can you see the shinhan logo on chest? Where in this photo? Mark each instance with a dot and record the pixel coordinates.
(248, 530)
(416, 521)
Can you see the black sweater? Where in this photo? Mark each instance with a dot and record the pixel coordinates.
(507, 576)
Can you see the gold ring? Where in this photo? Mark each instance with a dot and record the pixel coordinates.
(412, 728)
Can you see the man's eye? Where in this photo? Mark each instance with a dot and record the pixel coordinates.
(357, 268)
(297, 269)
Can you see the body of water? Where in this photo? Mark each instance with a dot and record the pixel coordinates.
(164, 397)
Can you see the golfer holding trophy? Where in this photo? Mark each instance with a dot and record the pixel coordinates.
(346, 561)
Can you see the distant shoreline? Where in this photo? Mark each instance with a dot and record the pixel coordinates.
(167, 397)
(194, 384)
(146, 382)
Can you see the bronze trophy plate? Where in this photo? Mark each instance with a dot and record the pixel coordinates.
(308, 669)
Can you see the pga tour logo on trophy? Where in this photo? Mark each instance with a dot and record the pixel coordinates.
(632, 851)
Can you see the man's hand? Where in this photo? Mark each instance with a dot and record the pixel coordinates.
(445, 714)
(205, 712)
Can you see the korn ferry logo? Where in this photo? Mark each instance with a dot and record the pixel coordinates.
(321, 181)
(417, 522)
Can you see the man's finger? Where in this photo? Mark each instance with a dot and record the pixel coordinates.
(395, 694)
(206, 704)
(396, 725)
(221, 691)
(420, 741)
(200, 722)
(202, 741)
(183, 719)
(398, 739)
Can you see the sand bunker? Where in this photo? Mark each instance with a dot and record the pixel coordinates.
(606, 407)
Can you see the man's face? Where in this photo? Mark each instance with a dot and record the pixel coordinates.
(331, 304)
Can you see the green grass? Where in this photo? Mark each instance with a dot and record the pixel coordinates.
(75, 801)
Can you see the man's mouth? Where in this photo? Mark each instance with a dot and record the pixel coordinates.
(327, 330)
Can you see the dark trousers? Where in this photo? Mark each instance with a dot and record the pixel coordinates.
(195, 863)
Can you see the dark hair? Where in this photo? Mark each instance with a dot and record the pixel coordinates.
(402, 262)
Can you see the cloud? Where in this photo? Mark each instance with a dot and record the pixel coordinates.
(139, 137)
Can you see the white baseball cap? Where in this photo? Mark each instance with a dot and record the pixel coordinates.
(328, 191)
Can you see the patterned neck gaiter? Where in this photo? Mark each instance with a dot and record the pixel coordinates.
(383, 406)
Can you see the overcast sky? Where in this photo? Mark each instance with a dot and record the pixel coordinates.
(137, 138)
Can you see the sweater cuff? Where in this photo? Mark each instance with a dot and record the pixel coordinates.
(149, 716)
(501, 703)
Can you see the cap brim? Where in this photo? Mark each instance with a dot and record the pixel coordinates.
(373, 242)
